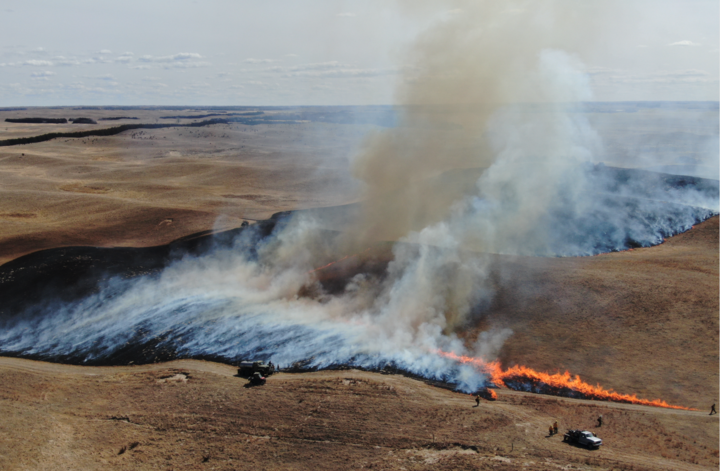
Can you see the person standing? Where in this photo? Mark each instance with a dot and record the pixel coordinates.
(555, 427)
(712, 410)
(600, 421)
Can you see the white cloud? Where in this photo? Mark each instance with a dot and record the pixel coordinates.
(183, 56)
(41, 76)
(46, 73)
(182, 60)
(105, 51)
(64, 61)
(684, 43)
(186, 65)
(346, 14)
(38, 63)
(96, 60)
(259, 61)
(179, 57)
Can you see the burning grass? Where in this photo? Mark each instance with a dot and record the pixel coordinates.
(522, 378)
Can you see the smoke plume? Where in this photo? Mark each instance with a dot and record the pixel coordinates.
(494, 93)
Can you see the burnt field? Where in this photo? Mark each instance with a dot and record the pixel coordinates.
(603, 295)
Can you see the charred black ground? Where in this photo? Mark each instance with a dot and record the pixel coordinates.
(31, 284)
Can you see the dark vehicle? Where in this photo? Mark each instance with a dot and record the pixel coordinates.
(248, 368)
(583, 438)
(256, 379)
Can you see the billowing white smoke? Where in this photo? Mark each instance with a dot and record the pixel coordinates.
(539, 195)
(229, 305)
(235, 303)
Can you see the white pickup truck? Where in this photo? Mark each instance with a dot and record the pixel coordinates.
(582, 437)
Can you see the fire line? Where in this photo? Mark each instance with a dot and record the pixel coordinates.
(338, 261)
(522, 378)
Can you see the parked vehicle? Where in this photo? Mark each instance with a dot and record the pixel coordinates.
(247, 368)
(583, 438)
(256, 379)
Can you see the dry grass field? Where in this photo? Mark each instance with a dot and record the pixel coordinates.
(643, 321)
(197, 415)
(151, 186)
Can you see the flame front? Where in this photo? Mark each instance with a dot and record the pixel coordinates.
(523, 378)
(338, 261)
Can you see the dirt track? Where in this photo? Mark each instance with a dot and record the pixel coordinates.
(197, 415)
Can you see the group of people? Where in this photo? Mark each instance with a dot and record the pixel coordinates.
(554, 427)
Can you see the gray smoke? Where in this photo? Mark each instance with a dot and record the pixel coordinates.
(493, 91)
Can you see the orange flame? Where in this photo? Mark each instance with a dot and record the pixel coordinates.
(528, 376)
(331, 263)
(338, 260)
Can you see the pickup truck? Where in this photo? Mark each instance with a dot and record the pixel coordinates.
(247, 368)
(582, 437)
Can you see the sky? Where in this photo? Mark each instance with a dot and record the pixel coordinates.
(311, 52)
